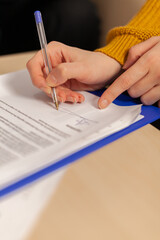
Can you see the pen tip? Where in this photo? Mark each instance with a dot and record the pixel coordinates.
(54, 98)
(56, 103)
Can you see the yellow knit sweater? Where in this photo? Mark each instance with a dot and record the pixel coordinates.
(143, 26)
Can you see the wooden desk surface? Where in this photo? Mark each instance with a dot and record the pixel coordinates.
(112, 193)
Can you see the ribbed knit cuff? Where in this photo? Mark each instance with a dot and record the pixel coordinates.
(122, 40)
(143, 26)
(118, 47)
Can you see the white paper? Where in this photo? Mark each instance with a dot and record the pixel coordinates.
(33, 134)
(21, 210)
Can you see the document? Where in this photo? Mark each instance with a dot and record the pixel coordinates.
(33, 134)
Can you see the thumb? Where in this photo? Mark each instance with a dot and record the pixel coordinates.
(63, 72)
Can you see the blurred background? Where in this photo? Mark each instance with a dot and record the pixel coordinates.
(73, 22)
(80, 23)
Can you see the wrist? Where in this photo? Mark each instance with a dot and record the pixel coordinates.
(108, 65)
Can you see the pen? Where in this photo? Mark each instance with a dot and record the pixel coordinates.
(43, 43)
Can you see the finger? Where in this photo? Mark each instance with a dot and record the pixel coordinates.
(152, 96)
(159, 103)
(143, 86)
(35, 67)
(57, 52)
(60, 53)
(44, 72)
(65, 71)
(67, 95)
(138, 50)
(123, 83)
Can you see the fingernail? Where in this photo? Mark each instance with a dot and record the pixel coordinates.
(71, 99)
(51, 80)
(46, 90)
(60, 99)
(81, 99)
(103, 104)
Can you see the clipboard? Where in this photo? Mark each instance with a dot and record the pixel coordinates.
(150, 113)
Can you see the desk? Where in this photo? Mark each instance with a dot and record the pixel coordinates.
(112, 194)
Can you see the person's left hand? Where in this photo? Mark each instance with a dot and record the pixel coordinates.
(142, 75)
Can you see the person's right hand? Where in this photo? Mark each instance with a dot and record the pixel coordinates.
(73, 69)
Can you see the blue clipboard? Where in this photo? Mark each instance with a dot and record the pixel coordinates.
(150, 113)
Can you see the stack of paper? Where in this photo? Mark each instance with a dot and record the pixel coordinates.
(33, 134)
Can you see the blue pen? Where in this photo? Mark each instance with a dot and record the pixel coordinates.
(43, 43)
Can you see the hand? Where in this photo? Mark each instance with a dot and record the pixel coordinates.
(73, 69)
(142, 75)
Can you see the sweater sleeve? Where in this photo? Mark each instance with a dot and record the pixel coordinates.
(143, 26)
